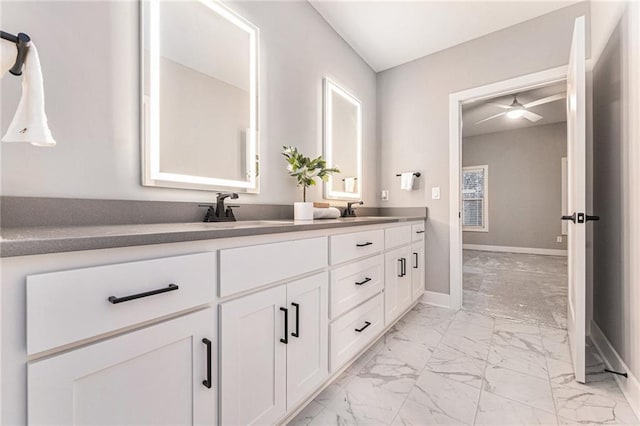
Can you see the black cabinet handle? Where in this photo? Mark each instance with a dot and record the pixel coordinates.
(114, 299)
(368, 243)
(286, 326)
(297, 332)
(208, 383)
(415, 257)
(404, 266)
(401, 268)
(366, 280)
(420, 232)
(366, 324)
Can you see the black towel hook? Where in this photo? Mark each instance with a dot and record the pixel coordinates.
(22, 42)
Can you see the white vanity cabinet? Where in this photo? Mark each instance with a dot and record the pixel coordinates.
(160, 375)
(273, 350)
(398, 293)
(418, 272)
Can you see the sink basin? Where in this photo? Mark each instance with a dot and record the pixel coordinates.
(247, 224)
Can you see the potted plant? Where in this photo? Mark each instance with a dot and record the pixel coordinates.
(305, 170)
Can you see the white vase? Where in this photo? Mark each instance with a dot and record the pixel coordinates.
(302, 211)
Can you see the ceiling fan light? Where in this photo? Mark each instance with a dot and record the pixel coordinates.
(515, 113)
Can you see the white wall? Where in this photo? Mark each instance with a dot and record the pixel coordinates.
(90, 57)
(413, 112)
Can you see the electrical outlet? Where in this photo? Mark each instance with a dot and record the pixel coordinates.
(559, 239)
(384, 195)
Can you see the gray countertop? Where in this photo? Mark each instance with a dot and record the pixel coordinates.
(41, 239)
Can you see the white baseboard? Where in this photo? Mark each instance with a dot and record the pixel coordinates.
(436, 299)
(630, 385)
(525, 250)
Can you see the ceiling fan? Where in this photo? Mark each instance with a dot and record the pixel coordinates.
(518, 110)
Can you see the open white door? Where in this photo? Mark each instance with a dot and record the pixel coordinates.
(576, 198)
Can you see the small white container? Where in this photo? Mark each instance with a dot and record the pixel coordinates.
(303, 211)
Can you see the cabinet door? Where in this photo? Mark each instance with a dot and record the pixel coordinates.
(153, 376)
(417, 269)
(307, 349)
(397, 286)
(253, 358)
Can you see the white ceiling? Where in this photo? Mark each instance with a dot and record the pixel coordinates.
(389, 33)
(553, 112)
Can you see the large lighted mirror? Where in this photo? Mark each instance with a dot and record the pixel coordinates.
(342, 142)
(199, 96)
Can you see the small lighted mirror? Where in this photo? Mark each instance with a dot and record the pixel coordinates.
(342, 142)
(199, 96)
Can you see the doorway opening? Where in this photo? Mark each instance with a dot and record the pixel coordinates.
(514, 243)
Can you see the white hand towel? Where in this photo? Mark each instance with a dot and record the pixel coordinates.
(30, 121)
(406, 181)
(350, 184)
(326, 213)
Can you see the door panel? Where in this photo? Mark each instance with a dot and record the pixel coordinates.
(151, 376)
(576, 198)
(397, 286)
(417, 270)
(307, 355)
(253, 359)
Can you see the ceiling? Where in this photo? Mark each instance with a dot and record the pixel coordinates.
(553, 112)
(389, 33)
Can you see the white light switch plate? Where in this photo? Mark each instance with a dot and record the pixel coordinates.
(559, 239)
(435, 193)
(384, 195)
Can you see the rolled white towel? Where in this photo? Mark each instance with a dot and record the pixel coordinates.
(29, 123)
(350, 184)
(326, 213)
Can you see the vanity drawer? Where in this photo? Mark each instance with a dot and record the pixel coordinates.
(397, 236)
(69, 306)
(346, 341)
(245, 268)
(351, 246)
(417, 232)
(355, 283)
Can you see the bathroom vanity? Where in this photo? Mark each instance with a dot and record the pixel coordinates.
(237, 323)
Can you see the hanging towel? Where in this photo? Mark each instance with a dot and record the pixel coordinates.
(350, 184)
(29, 124)
(326, 213)
(406, 181)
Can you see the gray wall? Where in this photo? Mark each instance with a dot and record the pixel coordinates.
(90, 58)
(615, 283)
(413, 112)
(525, 185)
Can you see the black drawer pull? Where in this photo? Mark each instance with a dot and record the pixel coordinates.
(366, 280)
(415, 266)
(286, 326)
(401, 274)
(368, 243)
(420, 232)
(297, 332)
(208, 383)
(366, 324)
(114, 299)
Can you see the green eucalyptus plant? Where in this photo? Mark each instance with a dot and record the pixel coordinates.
(305, 169)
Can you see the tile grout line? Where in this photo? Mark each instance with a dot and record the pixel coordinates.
(484, 372)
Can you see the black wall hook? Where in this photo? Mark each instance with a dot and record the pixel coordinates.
(22, 44)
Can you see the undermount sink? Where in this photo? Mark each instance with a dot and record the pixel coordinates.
(247, 223)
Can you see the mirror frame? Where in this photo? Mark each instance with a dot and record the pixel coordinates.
(330, 88)
(150, 108)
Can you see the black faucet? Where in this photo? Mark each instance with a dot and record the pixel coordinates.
(349, 211)
(218, 213)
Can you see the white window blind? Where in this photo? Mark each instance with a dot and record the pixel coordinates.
(474, 202)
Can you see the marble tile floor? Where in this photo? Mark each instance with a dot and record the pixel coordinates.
(438, 366)
(524, 287)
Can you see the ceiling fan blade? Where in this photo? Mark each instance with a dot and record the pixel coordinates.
(546, 100)
(499, 105)
(491, 118)
(531, 116)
